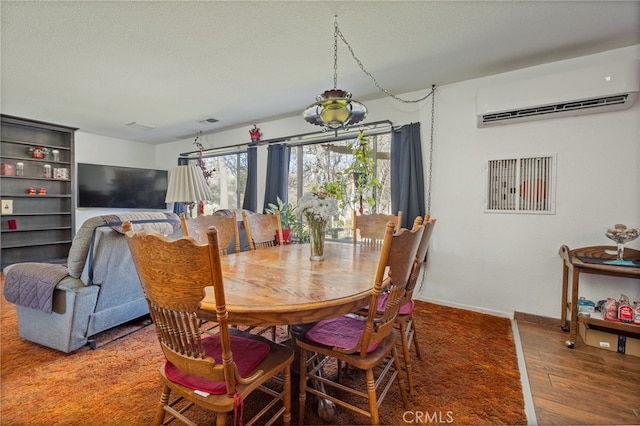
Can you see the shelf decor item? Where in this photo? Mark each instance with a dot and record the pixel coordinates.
(318, 208)
(61, 173)
(7, 169)
(620, 234)
(38, 152)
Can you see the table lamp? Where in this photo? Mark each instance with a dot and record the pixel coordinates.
(187, 185)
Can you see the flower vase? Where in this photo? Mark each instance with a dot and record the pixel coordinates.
(316, 238)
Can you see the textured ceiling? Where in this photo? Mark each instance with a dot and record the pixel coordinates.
(98, 65)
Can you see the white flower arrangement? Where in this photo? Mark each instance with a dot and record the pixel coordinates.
(317, 206)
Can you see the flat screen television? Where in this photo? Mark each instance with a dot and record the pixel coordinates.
(121, 187)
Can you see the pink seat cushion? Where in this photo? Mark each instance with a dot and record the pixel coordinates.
(405, 309)
(342, 332)
(247, 354)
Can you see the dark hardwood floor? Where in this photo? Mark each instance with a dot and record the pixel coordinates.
(580, 386)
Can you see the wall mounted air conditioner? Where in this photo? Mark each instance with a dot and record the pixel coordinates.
(608, 87)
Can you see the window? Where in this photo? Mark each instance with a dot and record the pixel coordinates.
(521, 185)
(227, 184)
(312, 165)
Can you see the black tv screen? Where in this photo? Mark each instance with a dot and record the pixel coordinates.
(121, 187)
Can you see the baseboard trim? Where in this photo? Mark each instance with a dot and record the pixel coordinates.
(536, 319)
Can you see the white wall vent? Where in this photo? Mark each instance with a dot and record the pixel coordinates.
(521, 185)
(608, 87)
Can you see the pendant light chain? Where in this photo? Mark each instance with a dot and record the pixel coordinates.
(335, 53)
(359, 62)
(433, 109)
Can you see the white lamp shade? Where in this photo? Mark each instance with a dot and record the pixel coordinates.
(186, 185)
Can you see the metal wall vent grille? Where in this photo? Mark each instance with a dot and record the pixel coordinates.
(521, 185)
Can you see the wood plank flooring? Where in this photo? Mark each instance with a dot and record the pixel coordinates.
(580, 386)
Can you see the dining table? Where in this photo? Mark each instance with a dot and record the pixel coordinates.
(282, 286)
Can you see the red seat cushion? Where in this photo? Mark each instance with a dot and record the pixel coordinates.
(247, 354)
(405, 309)
(342, 332)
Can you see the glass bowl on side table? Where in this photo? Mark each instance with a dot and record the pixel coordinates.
(620, 234)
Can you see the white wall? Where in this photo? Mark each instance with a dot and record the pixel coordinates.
(509, 262)
(497, 263)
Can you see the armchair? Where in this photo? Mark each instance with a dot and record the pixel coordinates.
(63, 306)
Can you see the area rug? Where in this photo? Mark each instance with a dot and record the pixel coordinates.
(468, 375)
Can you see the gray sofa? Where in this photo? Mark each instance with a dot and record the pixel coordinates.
(99, 290)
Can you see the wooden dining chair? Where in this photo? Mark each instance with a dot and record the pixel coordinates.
(408, 333)
(404, 321)
(368, 345)
(217, 372)
(262, 229)
(368, 229)
(227, 227)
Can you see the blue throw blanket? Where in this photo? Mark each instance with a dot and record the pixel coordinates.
(32, 284)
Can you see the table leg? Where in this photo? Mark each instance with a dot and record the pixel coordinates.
(565, 290)
(573, 321)
(326, 408)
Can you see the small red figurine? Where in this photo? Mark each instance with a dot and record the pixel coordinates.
(255, 134)
(42, 191)
(31, 191)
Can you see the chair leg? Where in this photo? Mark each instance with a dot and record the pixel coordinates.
(414, 337)
(302, 393)
(403, 391)
(164, 400)
(404, 338)
(373, 401)
(221, 419)
(286, 416)
(342, 368)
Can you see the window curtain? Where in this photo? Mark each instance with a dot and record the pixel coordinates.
(277, 184)
(179, 207)
(250, 201)
(407, 175)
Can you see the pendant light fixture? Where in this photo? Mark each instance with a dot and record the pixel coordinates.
(334, 109)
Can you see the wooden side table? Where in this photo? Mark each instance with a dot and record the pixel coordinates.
(588, 260)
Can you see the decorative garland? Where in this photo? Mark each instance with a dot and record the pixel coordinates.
(206, 172)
